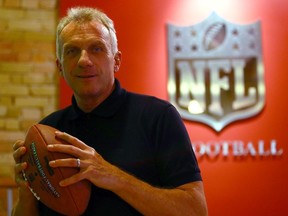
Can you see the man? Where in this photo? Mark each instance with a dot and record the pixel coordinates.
(134, 149)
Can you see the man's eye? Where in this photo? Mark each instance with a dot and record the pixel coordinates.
(71, 51)
(97, 49)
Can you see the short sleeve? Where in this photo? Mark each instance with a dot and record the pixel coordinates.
(176, 160)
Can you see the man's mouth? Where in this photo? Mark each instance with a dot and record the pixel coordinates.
(86, 76)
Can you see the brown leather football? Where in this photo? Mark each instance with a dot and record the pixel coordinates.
(44, 180)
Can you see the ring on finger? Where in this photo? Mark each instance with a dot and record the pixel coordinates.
(78, 162)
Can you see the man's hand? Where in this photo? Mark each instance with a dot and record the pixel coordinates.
(92, 165)
(19, 151)
(27, 203)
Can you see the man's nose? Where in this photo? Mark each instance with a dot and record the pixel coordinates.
(84, 59)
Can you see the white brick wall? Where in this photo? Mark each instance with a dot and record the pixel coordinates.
(28, 74)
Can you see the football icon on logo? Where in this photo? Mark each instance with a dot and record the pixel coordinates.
(214, 36)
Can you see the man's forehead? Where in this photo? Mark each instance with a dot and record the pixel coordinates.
(92, 27)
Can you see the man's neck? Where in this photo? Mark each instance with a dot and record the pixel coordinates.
(89, 103)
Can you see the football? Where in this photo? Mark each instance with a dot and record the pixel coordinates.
(44, 180)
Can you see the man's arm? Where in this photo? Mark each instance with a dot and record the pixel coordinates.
(26, 204)
(188, 199)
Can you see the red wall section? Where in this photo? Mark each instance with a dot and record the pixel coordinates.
(234, 185)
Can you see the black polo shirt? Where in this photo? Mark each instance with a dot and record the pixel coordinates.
(142, 135)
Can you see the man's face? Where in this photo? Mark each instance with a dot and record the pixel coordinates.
(87, 60)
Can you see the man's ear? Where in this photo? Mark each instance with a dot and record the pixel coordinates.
(59, 66)
(117, 59)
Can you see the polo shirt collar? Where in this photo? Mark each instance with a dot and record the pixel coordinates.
(107, 108)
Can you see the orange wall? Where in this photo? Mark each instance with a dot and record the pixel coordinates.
(234, 186)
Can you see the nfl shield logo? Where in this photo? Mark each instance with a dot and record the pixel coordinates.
(216, 72)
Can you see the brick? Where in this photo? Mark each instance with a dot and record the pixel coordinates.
(4, 147)
(14, 90)
(31, 101)
(34, 78)
(48, 4)
(12, 3)
(30, 57)
(45, 50)
(31, 113)
(7, 158)
(5, 100)
(9, 137)
(17, 79)
(24, 25)
(5, 48)
(15, 67)
(24, 57)
(3, 25)
(6, 168)
(5, 45)
(11, 36)
(42, 15)
(46, 47)
(47, 90)
(8, 14)
(2, 123)
(41, 57)
(28, 46)
(30, 4)
(53, 77)
(13, 112)
(8, 56)
(53, 101)
(12, 124)
(47, 67)
(24, 36)
(4, 78)
(49, 27)
(39, 36)
(3, 110)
